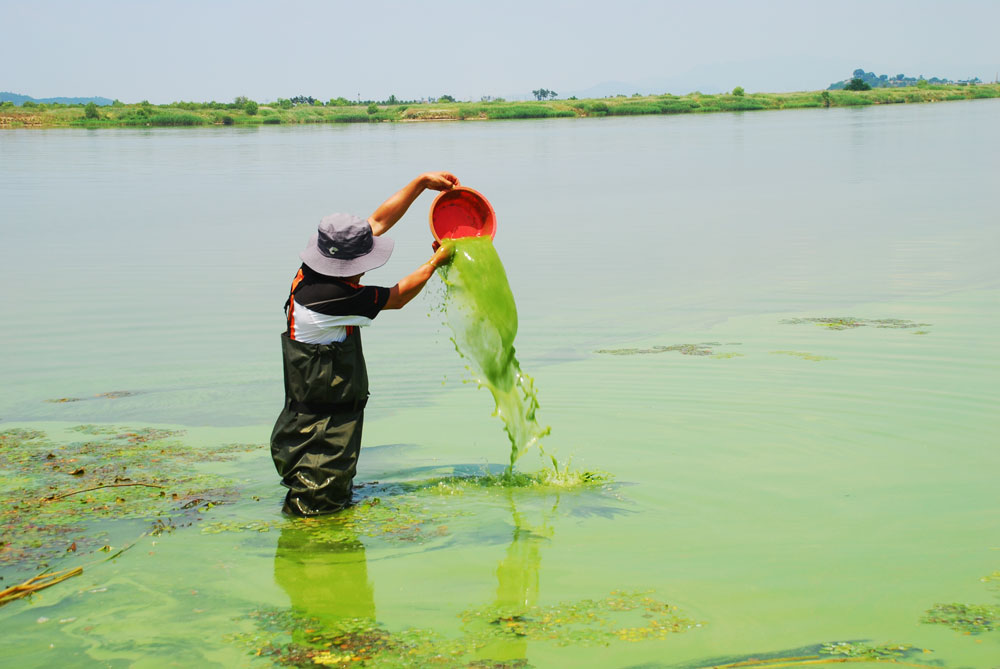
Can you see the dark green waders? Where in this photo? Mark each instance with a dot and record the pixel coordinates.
(317, 437)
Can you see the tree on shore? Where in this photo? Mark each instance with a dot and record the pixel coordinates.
(738, 91)
(543, 93)
(90, 111)
(446, 98)
(857, 84)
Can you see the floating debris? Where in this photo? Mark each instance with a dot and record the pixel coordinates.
(117, 394)
(57, 493)
(863, 650)
(408, 511)
(112, 395)
(37, 583)
(288, 638)
(703, 349)
(849, 323)
(992, 578)
(563, 479)
(834, 652)
(622, 616)
(241, 526)
(967, 618)
(803, 355)
(403, 518)
(299, 641)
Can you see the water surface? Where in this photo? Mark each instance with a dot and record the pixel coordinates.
(784, 483)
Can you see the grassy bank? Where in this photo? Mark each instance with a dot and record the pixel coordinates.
(205, 114)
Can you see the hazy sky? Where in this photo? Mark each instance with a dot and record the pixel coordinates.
(204, 50)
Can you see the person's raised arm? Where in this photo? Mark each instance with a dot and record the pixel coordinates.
(410, 286)
(393, 209)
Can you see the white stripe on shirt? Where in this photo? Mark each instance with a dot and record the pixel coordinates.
(313, 327)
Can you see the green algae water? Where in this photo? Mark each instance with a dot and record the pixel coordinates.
(482, 316)
(788, 365)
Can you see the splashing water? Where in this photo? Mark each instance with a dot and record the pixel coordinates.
(483, 318)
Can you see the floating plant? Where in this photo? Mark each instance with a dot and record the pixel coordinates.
(400, 519)
(993, 578)
(112, 395)
(803, 355)
(622, 616)
(967, 618)
(289, 638)
(702, 349)
(849, 323)
(563, 479)
(865, 651)
(60, 497)
(834, 652)
(400, 512)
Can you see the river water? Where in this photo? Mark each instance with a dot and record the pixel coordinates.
(775, 331)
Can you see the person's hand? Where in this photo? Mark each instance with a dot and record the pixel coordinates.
(442, 253)
(439, 180)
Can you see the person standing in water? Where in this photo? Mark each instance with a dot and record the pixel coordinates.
(317, 437)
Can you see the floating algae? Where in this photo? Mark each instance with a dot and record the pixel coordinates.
(415, 511)
(290, 638)
(835, 652)
(967, 618)
(112, 395)
(402, 518)
(702, 349)
(803, 355)
(483, 318)
(59, 498)
(850, 323)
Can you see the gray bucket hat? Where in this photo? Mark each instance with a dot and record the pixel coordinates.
(344, 246)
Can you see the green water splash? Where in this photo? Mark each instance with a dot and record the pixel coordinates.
(483, 318)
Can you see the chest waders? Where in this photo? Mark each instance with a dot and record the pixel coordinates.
(317, 438)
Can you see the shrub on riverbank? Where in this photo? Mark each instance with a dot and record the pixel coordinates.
(175, 119)
(510, 111)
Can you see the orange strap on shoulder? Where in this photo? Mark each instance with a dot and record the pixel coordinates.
(290, 305)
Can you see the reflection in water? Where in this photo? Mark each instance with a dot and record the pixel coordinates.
(332, 617)
(517, 580)
(326, 580)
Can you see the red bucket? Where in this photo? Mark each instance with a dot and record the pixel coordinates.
(462, 212)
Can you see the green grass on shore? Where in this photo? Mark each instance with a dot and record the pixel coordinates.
(198, 114)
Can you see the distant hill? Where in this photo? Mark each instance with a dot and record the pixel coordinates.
(885, 81)
(19, 100)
